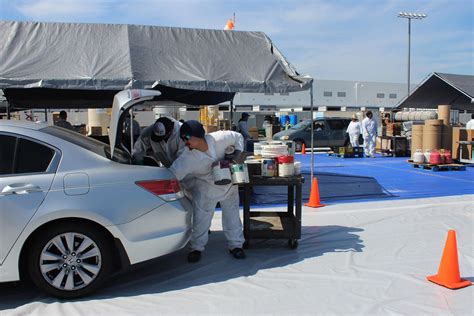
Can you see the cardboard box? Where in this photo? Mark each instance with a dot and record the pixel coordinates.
(461, 134)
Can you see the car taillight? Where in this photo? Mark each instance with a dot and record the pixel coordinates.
(168, 189)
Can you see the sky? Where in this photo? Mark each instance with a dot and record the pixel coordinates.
(360, 40)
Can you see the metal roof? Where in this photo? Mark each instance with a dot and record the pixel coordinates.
(440, 88)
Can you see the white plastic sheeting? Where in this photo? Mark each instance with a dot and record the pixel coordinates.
(353, 259)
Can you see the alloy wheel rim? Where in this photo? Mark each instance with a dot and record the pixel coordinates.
(70, 261)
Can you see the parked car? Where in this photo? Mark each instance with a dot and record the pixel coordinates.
(328, 132)
(72, 213)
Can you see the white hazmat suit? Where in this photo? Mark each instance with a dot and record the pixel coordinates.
(164, 151)
(369, 133)
(354, 132)
(195, 168)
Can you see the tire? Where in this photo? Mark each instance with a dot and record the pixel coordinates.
(293, 243)
(65, 273)
(298, 145)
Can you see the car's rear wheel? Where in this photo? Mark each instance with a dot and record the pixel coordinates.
(299, 145)
(70, 260)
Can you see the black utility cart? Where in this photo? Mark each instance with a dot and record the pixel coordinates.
(274, 225)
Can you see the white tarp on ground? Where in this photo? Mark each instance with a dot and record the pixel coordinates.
(361, 258)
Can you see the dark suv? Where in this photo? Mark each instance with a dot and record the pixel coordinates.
(328, 132)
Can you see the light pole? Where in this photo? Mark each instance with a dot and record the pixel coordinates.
(356, 86)
(409, 16)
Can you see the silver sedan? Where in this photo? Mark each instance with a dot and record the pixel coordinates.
(71, 213)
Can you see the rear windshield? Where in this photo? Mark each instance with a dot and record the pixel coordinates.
(97, 147)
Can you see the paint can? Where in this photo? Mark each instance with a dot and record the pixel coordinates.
(254, 167)
(286, 167)
(221, 172)
(239, 173)
(269, 167)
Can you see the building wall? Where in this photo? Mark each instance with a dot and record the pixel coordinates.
(333, 93)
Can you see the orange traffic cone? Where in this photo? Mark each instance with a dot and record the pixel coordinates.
(303, 149)
(314, 200)
(448, 272)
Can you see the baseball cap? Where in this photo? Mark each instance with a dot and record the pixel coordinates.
(159, 129)
(191, 128)
(245, 114)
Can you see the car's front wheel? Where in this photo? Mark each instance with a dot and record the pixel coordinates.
(70, 260)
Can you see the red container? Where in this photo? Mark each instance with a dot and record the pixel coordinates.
(448, 158)
(286, 159)
(435, 158)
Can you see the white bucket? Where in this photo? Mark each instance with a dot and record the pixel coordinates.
(221, 173)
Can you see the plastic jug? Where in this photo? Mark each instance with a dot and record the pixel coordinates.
(435, 158)
(442, 156)
(418, 156)
(448, 158)
(427, 155)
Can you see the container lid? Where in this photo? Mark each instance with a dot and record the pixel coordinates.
(286, 159)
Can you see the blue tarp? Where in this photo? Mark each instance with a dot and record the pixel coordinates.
(366, 179)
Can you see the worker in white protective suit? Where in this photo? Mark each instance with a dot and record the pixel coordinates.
(162, 138)
(369, 133)
(194, 166)
(353, 129)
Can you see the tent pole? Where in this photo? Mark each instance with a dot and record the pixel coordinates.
(131, 129)
(312, 130)
(8, 110)
(232, 114)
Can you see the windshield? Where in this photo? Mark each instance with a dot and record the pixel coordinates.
(301, 125)
(97, 147)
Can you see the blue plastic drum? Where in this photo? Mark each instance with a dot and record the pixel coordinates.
(283, 119)
(293, 119)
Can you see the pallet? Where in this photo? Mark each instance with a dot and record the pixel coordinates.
(353, 155)
(445, 167)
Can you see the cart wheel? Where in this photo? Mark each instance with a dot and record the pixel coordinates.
(246, 244)
(293, 243)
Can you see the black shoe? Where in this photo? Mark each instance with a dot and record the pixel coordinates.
(194, 256)
(238, 253)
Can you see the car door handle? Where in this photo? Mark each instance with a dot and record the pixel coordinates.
(20, 188)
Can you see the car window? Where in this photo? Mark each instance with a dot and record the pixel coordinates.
(300, 125)
(337, 124)
(32, 157)
(87, 143)
(7, 152)
(318, 126)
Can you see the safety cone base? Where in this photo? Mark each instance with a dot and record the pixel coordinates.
(315, 206)
(450, 285)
